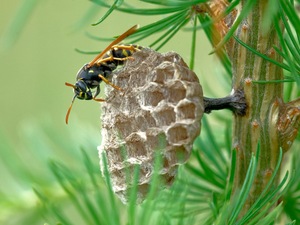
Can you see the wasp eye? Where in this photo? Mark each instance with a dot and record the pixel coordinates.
(82, 90)
(81, 85)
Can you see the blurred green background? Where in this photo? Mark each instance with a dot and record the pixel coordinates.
(37, 56)
(43, 57)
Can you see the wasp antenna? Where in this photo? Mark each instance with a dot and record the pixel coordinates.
(116, 41)
(70, 85)
(69, 109)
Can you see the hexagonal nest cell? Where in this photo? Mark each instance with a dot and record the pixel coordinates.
(158, 111)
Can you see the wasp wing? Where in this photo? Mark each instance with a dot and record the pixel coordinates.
(116, 41)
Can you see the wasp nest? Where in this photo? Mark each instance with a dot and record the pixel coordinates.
(158, 111)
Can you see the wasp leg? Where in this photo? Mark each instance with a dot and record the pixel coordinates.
(96, 94)
(126, 47)
(99, 99)
(111, 58)
(109, 83)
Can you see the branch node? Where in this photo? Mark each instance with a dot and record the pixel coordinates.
(235, 102)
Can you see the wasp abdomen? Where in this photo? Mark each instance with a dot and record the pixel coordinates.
(120, 53)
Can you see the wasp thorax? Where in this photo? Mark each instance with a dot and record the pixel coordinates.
(158, 113)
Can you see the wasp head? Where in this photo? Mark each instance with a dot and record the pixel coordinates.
(82, 91)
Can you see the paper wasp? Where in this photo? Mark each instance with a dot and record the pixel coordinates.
(92, 74)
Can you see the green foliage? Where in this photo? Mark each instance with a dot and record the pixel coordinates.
(244, 12)
(177, 15)
(206, 21)
(289, 47)
(77, 194)
(292, 197)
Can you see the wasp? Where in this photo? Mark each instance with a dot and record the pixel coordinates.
(100, 68)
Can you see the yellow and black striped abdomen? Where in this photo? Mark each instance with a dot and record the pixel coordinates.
(119, 53)
(123, 51)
